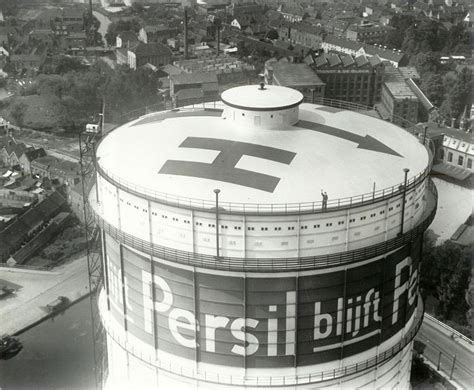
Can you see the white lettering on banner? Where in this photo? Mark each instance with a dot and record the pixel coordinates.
(238, 331)
(213, 322)
(190, 324)
(409, 285)
(323, 322)
(351, 317)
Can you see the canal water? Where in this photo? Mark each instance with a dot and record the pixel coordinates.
(57, 354)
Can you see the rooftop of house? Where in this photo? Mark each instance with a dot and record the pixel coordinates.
(33, 154)
(435, 130)
(304, 27)
(150, 49)
(128, 36)
(14, 233)
(10, 145)
(346, 61)
(56, 165)
(212, 63)
(383, 53)
(190, 93)
(361, 28)
(293, 75)
(400, 90)
(193, 78)
(170, 69)
(152, 29)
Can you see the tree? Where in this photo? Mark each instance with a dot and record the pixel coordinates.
(51, 85)
(400, 23)
(426, 63)
(444, 275)
(17, 113)
(272, 34)
(459, 95)
(433, 87)
(122, 25)
(68, 64)
(9, 7)
(458, 40)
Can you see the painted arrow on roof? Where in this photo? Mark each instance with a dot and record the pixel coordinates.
(366, 142)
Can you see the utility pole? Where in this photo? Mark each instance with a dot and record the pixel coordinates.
(216, 191)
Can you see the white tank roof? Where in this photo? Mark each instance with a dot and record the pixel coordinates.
(188, 154)
(256, 98)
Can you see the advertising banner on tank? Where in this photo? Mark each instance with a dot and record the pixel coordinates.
(262, 321)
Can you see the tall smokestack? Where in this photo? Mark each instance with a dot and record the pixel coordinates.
(185, 33)
(218, 40)
(217, 26)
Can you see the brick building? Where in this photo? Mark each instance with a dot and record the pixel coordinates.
(193, 88)
(340, 45)
(55, 169)
(298, 76)
(399, 103)
(160, 33)
(301, 33)
(368, 32)
(155, 54)
(356, 79)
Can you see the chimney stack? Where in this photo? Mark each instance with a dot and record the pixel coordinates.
(185, 33)
(218, 28)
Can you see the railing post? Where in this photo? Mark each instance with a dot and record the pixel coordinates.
(216, 191)
(406, 170)
(452, 368)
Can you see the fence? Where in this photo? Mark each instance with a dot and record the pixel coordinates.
(274, 208)
(274, 264)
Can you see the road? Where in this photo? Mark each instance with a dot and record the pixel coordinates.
(60, 147)
(104, 24)
(38, 288)
(442, 348)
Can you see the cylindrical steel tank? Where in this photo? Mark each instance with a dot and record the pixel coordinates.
(261, 242)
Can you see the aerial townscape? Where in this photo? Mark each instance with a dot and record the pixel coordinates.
(221, 194)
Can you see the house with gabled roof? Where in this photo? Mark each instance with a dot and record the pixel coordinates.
(292, 13)
(340, 45)
(28, 156)
(154, 53)
(11, 151)
(156, 33)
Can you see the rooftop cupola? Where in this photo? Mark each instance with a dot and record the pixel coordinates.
(264, 106)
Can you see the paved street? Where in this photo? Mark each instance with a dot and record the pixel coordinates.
(454, 206)
(104, 24)
(438, 339)
(38, 288)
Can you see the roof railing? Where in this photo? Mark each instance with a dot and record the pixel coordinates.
(273, 263)
(271, 208)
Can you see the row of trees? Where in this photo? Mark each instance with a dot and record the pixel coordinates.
(413, 35)
(448, 88)
(445, 271)
(78, 93)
